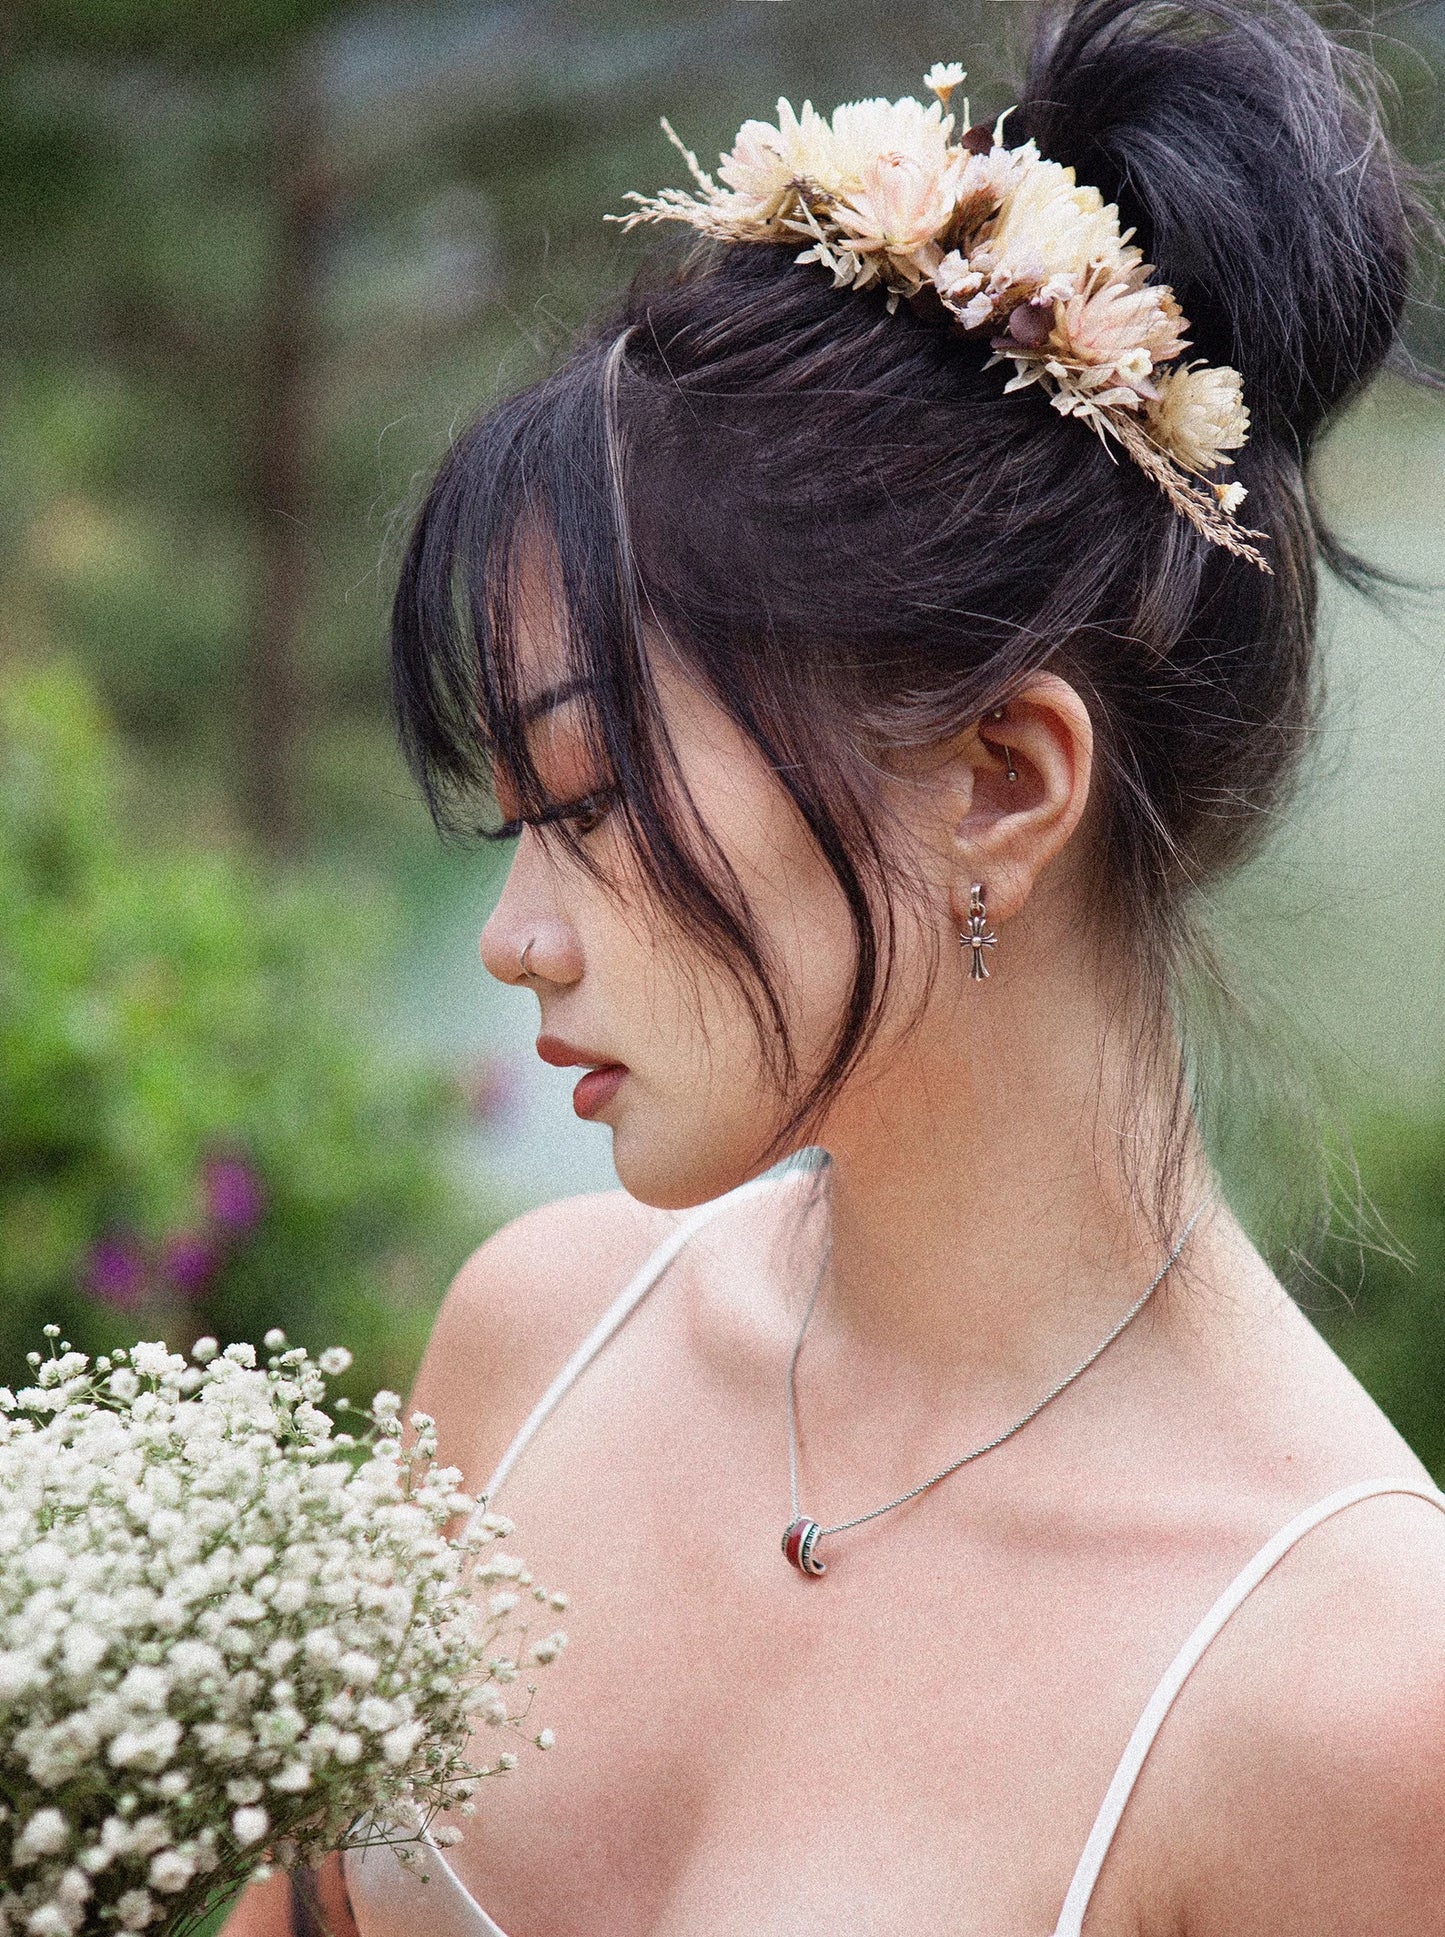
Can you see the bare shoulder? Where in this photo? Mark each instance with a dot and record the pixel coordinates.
(1317, 1788)
(515, 1311)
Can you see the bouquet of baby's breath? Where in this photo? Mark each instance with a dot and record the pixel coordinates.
(232, 1637)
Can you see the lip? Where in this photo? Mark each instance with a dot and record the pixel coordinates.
(597, 1089)
(601, 1081)
(566, 1055)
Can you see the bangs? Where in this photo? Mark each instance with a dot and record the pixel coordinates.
(522, 529)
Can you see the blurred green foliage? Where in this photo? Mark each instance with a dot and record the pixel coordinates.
(257, 263)
(1386, 1316)
(198, 1130)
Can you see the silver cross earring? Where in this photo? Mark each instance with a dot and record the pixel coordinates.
(978, 935)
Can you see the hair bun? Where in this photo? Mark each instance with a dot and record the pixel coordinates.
(1245, 146)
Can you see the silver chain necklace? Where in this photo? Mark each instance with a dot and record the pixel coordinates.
(800, 1542)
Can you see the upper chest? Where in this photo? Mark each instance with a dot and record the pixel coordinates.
(923, 1734)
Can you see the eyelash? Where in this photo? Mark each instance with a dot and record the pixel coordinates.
(592, 808)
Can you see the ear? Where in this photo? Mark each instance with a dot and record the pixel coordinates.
(1011, 829)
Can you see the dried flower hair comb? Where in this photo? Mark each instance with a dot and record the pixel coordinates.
(1011, 246)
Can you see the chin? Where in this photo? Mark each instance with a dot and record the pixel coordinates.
(675, 1166)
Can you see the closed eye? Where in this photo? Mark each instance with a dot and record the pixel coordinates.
(587, 814)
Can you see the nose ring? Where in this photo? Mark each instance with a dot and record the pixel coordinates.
(525, 953)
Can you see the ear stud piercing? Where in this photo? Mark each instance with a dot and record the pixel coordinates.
(978, 935)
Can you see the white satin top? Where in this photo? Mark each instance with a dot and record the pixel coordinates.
(390, 1901)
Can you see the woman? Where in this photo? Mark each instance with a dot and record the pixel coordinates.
(869, 732)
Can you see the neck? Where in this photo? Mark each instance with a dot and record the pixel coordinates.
(987, 1223)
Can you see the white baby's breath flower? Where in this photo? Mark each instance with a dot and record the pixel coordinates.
(170, 1871)
(50, 1920)
(398, 1743)
(198, 1638)
(46, 1834)
(489, 1707)
(82, 1649)
(375, 1715)
(547, 1649)
(249, 1824)
(153, 1361)
(334, 1361)
(135, 1909)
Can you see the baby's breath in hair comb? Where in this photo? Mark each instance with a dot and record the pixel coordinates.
(1011, 248)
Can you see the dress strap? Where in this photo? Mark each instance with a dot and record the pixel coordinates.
(616, 1316)
(1106, 1824)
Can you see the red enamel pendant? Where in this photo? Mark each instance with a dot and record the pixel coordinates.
(800, 1544)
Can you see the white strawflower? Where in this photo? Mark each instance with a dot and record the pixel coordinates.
(865, 130)
(897, 209)
(227, 1641)
(943, 77)
(766, 161)
(1200, 415)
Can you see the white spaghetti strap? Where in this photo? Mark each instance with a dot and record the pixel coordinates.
(1106, 1824)
(616, 1315)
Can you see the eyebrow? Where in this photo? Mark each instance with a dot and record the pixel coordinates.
(550, 698)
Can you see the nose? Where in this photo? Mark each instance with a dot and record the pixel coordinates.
(528, 922)
(550, 946)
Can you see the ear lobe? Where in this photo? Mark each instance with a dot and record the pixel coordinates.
(1014, 828)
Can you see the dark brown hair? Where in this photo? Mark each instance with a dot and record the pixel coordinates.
(853, 538)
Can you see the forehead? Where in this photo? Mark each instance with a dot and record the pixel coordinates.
(541, 650)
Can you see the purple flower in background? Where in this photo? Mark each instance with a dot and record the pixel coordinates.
(115, 1271)
(188, 1260)
(235, 1198)
(491, 1089)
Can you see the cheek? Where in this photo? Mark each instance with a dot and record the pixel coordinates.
(706, 1097)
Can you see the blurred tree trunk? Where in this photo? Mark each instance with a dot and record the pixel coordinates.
(283, 456)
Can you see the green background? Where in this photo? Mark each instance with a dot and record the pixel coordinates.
(259, 262)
